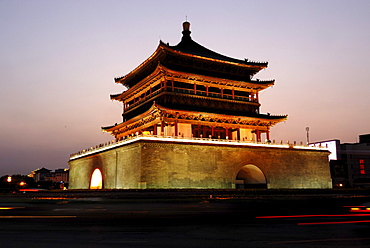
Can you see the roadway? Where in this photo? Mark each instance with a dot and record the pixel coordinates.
(94, 222)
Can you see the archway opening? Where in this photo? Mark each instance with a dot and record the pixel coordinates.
(250, 177)
(96, 180)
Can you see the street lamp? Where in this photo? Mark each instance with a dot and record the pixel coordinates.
(308, 136)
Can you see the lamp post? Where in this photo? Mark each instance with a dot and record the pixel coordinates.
(308, 136)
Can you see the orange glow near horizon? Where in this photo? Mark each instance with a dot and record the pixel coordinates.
(96, 180)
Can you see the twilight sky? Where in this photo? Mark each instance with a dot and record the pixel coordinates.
(58, 60)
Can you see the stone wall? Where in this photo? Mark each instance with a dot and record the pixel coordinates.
(146, 164)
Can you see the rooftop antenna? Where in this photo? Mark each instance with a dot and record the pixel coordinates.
(186, 18)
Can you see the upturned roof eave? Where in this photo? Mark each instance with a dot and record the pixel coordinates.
(162, 47)
(154, 107)
(138, 117)
(189, 46)
(236, 62)
(141, 66)
(259, 116)
(260, 83)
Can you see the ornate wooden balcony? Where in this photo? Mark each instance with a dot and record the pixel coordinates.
(188, 91)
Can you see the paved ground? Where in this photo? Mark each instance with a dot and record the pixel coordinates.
(182, 219)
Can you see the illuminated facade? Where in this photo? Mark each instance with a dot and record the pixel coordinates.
(191, 119)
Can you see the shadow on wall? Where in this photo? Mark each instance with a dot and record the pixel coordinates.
(96, 180)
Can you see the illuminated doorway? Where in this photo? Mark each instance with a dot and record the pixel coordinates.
(96, 180)
(250, 177)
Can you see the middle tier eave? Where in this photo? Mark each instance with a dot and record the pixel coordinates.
(163, 73)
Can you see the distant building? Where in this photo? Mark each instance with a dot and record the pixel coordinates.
(349, 162)
(60, 175)
(39, 174)
(43, 174)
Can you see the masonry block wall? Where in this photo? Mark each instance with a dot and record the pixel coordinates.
(146, 164)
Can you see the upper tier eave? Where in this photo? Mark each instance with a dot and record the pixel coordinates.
(189, 46)
(164, 51)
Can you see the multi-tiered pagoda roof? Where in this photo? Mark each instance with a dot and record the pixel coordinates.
(190, 78)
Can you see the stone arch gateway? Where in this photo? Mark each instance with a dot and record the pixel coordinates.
(250, 176)
(96, 181)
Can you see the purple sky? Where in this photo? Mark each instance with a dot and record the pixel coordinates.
(58, 60)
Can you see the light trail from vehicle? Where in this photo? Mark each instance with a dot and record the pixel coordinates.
(335, 222)
(8, 208)
(36, 217)
(314, 215)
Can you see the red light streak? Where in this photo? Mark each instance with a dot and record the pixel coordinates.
(30, 190)
(360, 211)
(336, 222)
(308, 216)
(354, 206)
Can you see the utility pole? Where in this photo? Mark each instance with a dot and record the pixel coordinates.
(308, 135)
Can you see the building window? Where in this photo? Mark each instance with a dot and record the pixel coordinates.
(362, 166)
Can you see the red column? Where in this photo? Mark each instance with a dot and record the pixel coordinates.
(238, 133)
(176, 129)
(155, 129)
(222, 93)
(195, 89)
(232, 92)
(207, 90)
(173, 85)
(268, 134)
(258, 135)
